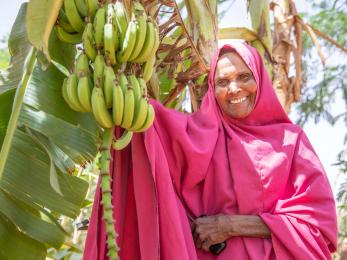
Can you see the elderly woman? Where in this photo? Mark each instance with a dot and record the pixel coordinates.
(235, 180)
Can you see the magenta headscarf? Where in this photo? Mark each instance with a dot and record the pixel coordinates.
(207, 163)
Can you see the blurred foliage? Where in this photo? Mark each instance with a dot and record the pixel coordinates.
(4, 58)
(327, 85)
(74, 245)
(4, 54)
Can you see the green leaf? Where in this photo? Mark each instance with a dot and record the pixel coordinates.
(16, 245)
(6, 100)
(60, 52)
(40, 20)
(237, 33)
(34, 187)
(53, 175)
(19, 48)
(30, 223)
(42, 139)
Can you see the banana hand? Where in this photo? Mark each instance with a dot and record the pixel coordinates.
(123, 141)
(100, 112)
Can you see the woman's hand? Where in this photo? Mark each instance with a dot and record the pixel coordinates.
(211, 230)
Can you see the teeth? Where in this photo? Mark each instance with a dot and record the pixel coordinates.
(239, 100)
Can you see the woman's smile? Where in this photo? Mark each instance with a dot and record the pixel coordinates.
(237, 100)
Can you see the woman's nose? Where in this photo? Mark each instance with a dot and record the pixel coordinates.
(233, 88)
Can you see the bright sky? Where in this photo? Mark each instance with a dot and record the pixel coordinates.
(326, 140)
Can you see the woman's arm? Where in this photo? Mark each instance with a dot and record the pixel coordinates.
(215, 229)
(249, 226)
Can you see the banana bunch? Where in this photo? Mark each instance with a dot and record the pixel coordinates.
(98, 83)
(114, 100)
(72, 19)
(107, 29)
(139, 40)
(77, 87)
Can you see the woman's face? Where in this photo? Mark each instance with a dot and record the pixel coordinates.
(235, 86)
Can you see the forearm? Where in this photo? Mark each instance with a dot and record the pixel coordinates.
(248, 226)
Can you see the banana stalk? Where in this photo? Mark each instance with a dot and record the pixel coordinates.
(106, 201)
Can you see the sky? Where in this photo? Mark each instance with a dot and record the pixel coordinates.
(326, 140)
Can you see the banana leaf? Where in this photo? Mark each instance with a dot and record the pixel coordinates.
(40, 20)
(41, 140)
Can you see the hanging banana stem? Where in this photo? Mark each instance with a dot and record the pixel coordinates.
(106, 200)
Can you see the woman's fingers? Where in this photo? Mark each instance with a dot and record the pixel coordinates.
(206, 245)
(192, 226)
(198, 242)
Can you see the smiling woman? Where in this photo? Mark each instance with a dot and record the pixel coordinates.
(235, 86)
(237, 178)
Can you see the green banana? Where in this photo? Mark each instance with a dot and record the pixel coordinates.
(92, 6)
(72, 84)
(109, 44)
(121, 19)
(128, 44)
(100, 112)
(64, 22)
(99, 22)
(123, 82)
(84, 90)
(129, 107)
(81, 7)
(149, 119)
(136, 87)
(99, 66)
(111, 19)
(140, 114)
(156, 37)
(64, 36)
(73, 16)
(143, 87)
(148, 68)
(123, 141)
(82, 65)
(66, 97)
(118, 104)
(88, 42)
(147, 49)
(110, 80)
(141, 27)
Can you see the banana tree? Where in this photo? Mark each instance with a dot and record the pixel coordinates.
(42, 139)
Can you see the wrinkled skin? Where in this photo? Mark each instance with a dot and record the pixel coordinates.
(234, 82)
(211, 230)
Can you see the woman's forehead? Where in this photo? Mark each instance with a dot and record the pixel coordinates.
(230, 62)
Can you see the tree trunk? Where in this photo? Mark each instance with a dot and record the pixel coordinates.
(203, 29)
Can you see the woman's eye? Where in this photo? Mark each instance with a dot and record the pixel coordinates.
(222, 82)
(244, 77)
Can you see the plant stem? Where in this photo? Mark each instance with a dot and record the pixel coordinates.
(16, 107)
(106, 199)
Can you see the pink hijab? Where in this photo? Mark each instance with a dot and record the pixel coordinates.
(207, 163)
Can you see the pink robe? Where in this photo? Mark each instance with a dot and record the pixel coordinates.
(207, 163)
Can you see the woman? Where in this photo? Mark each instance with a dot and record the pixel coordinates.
(239, 162)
